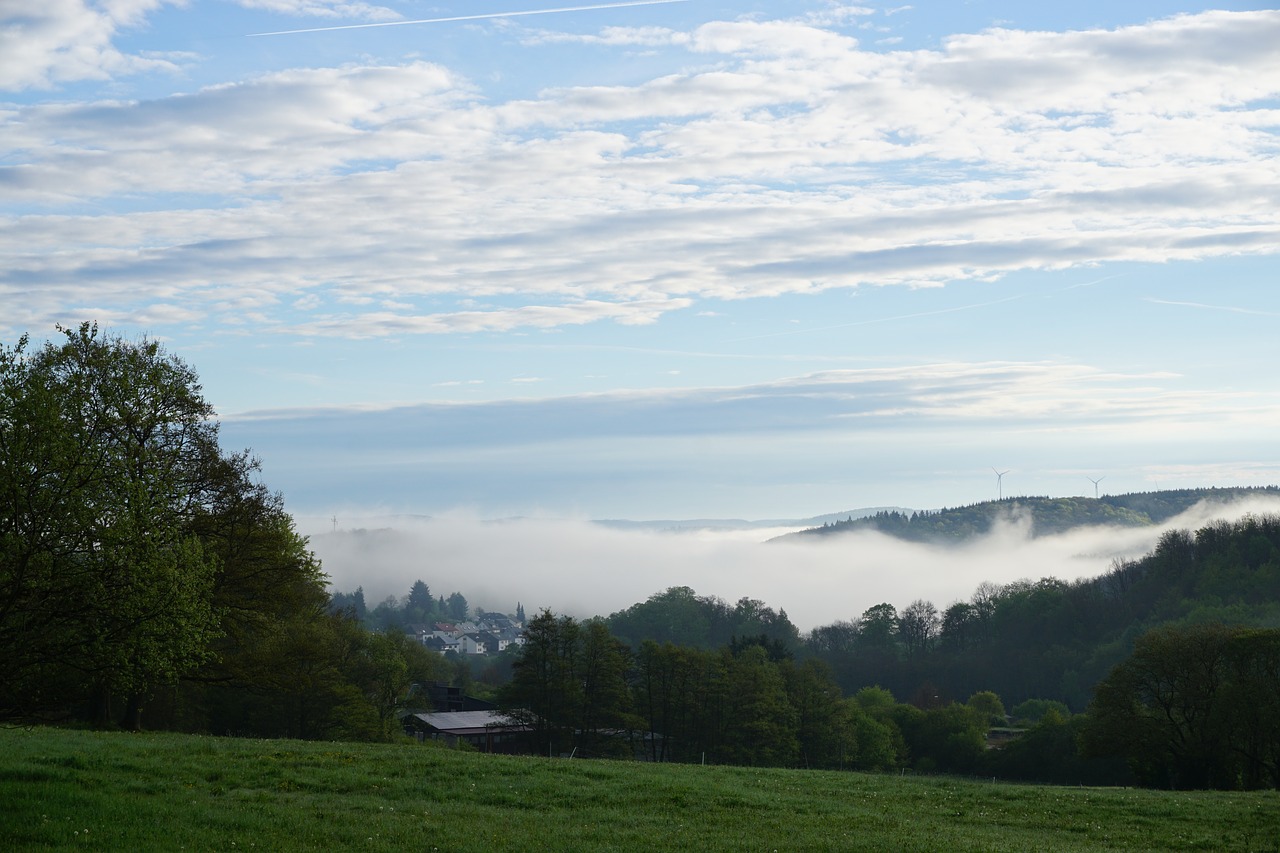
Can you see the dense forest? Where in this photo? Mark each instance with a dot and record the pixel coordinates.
(143, 568)
(1192, 707)
(1047, 515)
(1055, 639)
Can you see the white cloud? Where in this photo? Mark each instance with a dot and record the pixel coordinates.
(57, 41)
(381, 323)
(324, 9)
(612, 37)
(790, 161)
(837, 14)
(244, 138)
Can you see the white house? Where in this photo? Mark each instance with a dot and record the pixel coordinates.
(472, 644)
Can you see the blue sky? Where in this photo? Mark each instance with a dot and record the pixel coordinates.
(686, 259)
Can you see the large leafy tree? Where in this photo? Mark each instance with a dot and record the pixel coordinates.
(1253, 666)
(917, 627)
(105, 449)
(878, 626)
(1194, 707)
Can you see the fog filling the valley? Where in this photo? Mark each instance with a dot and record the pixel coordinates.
(584, 569)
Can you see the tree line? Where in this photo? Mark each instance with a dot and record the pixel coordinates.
(1192, 707)
(681, 616)
(417, 607)
(1046, 515)
(579, 689)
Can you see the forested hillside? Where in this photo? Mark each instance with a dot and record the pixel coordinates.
(1031, 639)
(1179, 690)
(1055, 639)
(1047, 515)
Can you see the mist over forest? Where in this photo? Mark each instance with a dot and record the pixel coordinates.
(582, 568)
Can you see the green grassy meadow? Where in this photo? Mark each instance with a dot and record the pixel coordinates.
(70, 789)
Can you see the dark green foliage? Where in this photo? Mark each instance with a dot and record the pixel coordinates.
(1047, 515)
(759, 721)
(878, 627)
(387, 616)
(1253, 695)
(605, 706)
(680, 616)
(456, 607)
(106, 453)
(1164, 505)
(351, 603)
(1050, 752)
(773, 648)
(951, 739)
(679, 691)
(1033, 711)
(833, 732)
(736, 705)
(569, 685)
(917, 628)
(988, 706)
(140, 566)
(1194, 707)
(1056, 639)
(543, 686)
(419, 605)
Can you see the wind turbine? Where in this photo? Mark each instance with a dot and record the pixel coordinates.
(1000, 484)
(1095, 485)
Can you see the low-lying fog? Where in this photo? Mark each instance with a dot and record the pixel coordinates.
(583, 569)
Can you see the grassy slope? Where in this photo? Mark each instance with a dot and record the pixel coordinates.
(74, 789)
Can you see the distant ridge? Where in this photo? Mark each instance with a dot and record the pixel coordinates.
(672, 525)
(1048, 515)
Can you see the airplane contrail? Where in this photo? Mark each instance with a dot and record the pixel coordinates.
(473, 17)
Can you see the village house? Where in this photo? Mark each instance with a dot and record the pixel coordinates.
(491, 634)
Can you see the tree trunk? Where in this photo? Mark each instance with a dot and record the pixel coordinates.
(132, 719)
